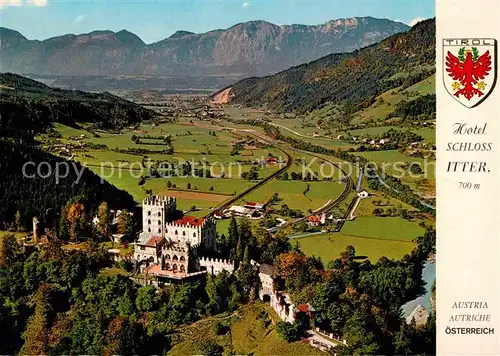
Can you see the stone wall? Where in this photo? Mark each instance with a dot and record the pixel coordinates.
(216, 265)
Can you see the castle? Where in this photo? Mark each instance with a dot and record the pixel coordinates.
(171, 248)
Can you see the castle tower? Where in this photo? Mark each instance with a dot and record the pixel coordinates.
(35, 229)
(155, 211)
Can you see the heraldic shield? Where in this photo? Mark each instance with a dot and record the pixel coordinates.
(470, 69)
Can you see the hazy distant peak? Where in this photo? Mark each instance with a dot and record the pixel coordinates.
(181, 33)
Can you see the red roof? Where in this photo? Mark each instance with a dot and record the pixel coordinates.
(304, 308)
(191, 220)
(153, 241)
(314, 218)
(271, 159)
(251, 203)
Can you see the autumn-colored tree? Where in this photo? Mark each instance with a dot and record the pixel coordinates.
(290, 263)
(125, 224)
(103, 226)
(75, 214)
(37, 329)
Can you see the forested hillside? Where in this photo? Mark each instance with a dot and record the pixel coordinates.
(27, 107)
(351, 79)
(32, 195)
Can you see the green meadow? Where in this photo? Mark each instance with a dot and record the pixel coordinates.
(330, 246)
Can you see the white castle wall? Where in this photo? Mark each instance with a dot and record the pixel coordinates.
(216, 265)
(193, 235)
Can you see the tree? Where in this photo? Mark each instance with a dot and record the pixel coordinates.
(210, 348)
(18, 222)
(233, 236)
(104, 216)
(10, 250)
(125, 224)
(287, 331)
(36, 334)
(75, 218)
(147, 299)
(377, 212)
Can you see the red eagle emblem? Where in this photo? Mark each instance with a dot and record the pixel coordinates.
(468, 69)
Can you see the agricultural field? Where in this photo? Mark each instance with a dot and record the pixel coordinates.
(252, 332)
(205, 148)
(383, 228)
(366, 206)
(296, 194)
(393, 161)
(329, 247)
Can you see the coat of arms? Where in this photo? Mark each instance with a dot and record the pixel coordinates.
(470, 69)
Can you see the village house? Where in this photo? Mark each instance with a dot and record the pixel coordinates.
(316, 220)
(271, 160)
(242, 211)
(254, 205)
(363, 194)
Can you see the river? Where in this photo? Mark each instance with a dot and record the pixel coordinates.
(429, 276)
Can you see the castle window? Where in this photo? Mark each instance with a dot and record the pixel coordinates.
(174, 268)
(182, 258)
(149, 213)
(167, 257)
(175, 258)
(159, 231)
(149, 222)
(194, 234)
(167, 266)
(184, 233)
(149, 229)
(176, 232)
(183, 269)
(159, 222)
(159, 213)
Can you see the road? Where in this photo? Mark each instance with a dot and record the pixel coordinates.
(278, 145)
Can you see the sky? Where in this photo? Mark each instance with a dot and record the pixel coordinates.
(154, 20)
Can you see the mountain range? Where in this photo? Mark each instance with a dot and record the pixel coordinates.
(246, 49)
(352, 80)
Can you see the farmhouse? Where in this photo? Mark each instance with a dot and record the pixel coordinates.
(254, 205)
(272, 160)
(316, 220)
(243, 211)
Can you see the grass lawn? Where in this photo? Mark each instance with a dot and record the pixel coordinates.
(428, 134)
(387, 228)
(252, 333)
(18, 235)
(387, 101)
(292, 193)
(329, 247)
(366, 206)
